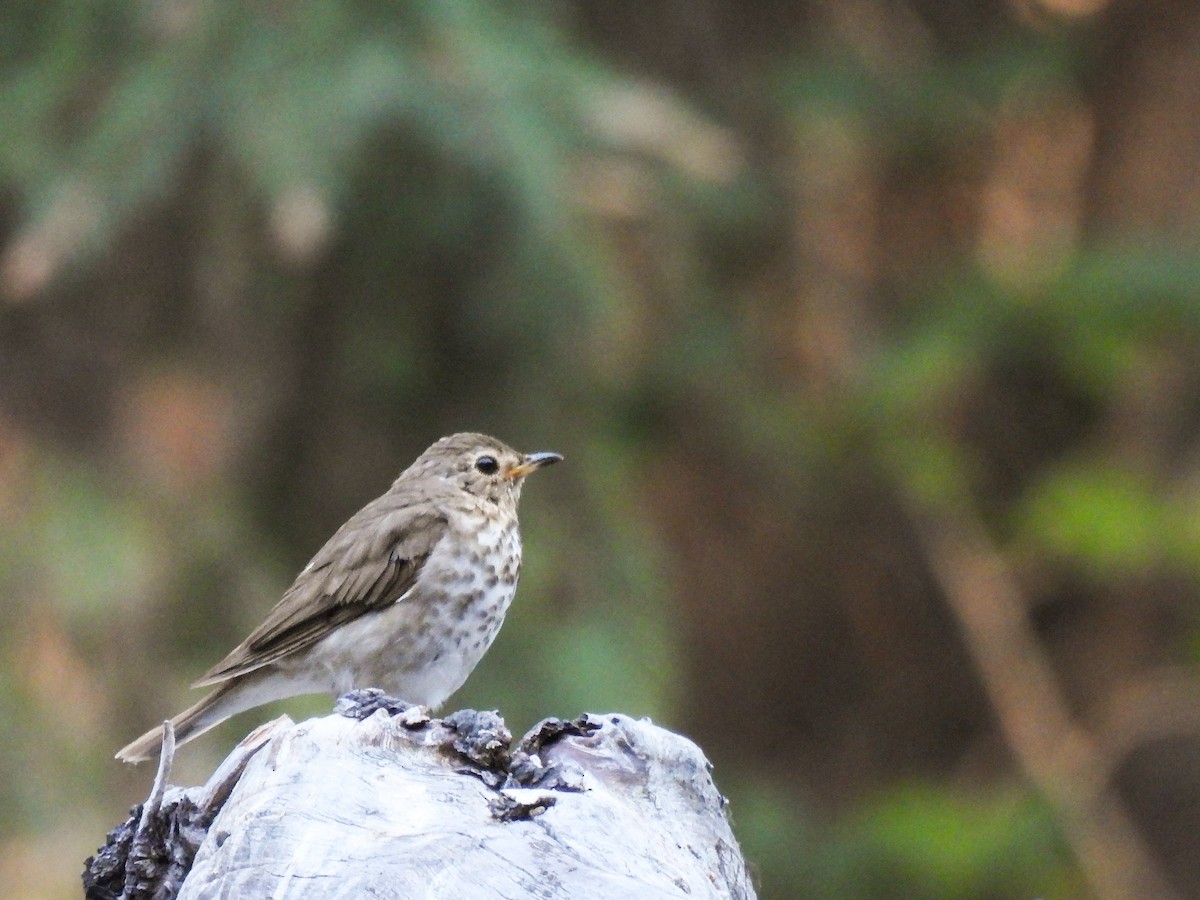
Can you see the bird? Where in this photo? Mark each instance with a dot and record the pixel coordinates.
(407, 596)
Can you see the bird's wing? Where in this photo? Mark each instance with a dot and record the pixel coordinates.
(370, 563)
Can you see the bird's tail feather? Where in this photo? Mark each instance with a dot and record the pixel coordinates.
(191, 723)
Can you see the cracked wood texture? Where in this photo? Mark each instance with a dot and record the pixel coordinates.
(382, 802)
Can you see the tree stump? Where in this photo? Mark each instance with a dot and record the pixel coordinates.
(381, 800)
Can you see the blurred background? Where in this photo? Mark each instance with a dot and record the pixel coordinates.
(869, 329)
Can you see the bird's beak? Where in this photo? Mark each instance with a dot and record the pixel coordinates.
(531, 462)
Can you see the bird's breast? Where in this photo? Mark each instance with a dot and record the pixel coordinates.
(424, 646)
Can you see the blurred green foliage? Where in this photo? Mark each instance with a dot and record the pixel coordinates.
(919, 841)
(765, 276)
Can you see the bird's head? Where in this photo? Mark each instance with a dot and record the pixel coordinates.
(480, 465)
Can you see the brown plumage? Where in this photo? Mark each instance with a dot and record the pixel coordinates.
(407, 596)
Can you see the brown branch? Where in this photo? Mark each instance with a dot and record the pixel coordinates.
(1062, 760)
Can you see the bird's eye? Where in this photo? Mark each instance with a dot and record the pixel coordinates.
(487, 465)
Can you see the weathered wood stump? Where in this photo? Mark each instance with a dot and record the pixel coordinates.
(383, 801)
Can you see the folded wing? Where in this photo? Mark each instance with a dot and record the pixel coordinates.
(370, 563)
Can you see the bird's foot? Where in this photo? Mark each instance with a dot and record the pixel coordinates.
(362, 703)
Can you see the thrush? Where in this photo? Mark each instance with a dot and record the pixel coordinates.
(407, 596)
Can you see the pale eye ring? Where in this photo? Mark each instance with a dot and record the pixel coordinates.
(487, 465)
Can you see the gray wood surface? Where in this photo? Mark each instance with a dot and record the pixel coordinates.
(396, 804)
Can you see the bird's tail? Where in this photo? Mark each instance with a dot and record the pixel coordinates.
(192, 722)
